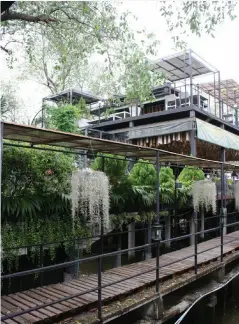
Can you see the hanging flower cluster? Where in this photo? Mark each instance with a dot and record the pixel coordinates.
(236, 195)
(90, 197)
(204, 195)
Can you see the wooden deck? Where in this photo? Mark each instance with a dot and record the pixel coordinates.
(36, 297)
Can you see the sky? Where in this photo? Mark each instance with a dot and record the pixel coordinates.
(222, 51)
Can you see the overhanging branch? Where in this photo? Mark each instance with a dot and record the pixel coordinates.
(11, 15)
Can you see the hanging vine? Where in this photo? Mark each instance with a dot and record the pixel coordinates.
(90, 197)
(204, 195)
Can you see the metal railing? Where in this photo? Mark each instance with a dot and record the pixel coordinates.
(100, 258)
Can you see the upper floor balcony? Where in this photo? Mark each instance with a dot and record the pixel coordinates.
(191, 83)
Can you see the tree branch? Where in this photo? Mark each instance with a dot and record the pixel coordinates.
(5, 50)
(11, 15)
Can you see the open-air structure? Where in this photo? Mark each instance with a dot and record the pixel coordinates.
(186, 124)
(54, 302)
(193, 112)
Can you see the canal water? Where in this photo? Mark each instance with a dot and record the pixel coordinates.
(226, 310)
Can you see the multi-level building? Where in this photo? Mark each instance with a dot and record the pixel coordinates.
(193, 112)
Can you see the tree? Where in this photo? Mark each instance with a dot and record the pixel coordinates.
(143, 174)
(10, 104)
(167, 185)
(60, 36)
(196, 17)
(190, 174)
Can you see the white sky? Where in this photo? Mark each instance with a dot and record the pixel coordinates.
(221, 51)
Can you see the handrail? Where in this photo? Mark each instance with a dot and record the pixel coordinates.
(99, 260)
(101, 286)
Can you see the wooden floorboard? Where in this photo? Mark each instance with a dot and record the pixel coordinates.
(171, 264)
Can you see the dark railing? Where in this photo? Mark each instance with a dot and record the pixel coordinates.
(100, 258)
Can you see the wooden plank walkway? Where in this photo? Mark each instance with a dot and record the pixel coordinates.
(36, 297)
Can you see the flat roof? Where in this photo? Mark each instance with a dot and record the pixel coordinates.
(38, 136)
(229, 91)
(177, 67)
(76, 95)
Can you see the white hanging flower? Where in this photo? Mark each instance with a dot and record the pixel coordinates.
(236, 195)
(204, 195)
(90, 196)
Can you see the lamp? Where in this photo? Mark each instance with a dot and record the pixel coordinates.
(157, 232)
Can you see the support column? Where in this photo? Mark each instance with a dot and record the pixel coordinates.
(131, 124)
(168, 231)
(193, 146)
(85, 161)
(202, 223)
(148, 254)
(192, 229)
(118, 257)
(223, 191)
(191, 76)
(193, 149)
(131, 240)
(224, 212)
(219, 96)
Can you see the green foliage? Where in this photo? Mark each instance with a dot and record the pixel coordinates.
(167, 185)
(116, 171)
(196, 17)
(190, 174)
(143, 174)
(138, 80)
(187, 177)
(120, 220)
(58, 45)
(37, 232)
(34, 182)
(10, 109)
(66, 116)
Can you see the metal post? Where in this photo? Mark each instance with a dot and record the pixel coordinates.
(191, 77)
(137, 107)
(219, 95)
(157, 189)
(209, 103)
(227, 96)
(237, 117)
(102, 217)
(42, 114)
(1, 159)
(221, 213)
(175, 191)
(99, 291)
(193, 147)
(71, 96)
(199, 103)
(157, 267)
(118, 256)
(214, 93)
(41, 264)
(149, 250)
(158, 219)
(195, 244)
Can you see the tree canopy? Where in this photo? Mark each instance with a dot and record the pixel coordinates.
(60, 37)
(196, 17)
